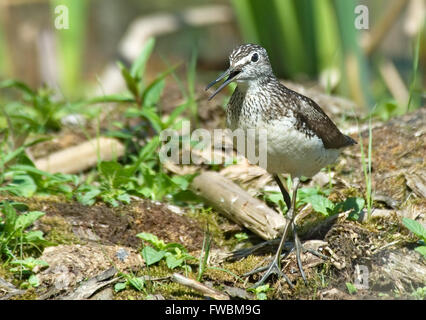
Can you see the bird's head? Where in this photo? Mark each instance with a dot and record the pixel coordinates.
(248, 62)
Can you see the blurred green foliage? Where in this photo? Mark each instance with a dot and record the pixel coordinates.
(306, 38)
(71, 43)
(34, 114)
(318, 39)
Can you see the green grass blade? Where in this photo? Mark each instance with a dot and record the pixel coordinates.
(246, 21)
(304, 11)
(292, 38)
(5, 62)
(139, 65)
(192, 69)
(357, 83)
(71, 43)
(158, 79)
(326, 29)
(204, 256)
(415, 68)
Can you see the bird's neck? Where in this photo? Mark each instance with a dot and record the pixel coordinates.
(255, 85)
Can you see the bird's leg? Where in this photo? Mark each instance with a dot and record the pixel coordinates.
(297, 243)
(284, 192)
(299, 248)
(275, 266)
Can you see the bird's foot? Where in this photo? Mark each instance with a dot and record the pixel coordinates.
(272, 268)
(300, 248)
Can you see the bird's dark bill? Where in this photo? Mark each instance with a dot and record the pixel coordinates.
(232, 75)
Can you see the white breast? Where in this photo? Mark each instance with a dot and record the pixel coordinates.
(289, 150)
(292, 151)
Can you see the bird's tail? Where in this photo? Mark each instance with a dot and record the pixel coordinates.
(350, 141)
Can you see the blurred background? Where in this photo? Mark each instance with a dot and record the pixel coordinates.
(372, 52)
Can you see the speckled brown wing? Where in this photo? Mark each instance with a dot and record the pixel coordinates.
(310, 114)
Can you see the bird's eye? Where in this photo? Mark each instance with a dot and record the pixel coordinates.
(254, 57)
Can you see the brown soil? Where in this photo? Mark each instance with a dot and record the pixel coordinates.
(120, 225)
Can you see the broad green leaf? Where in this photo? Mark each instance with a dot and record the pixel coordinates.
(137, 283)
(151, 255)
(120, 286)
(34, 281)
(174, 246)
(20, 206)
(35, 237)
(152, 239)
(173, 262)
(109, 199)
(241, 236)
(153, 94)
(10, 217)
(124, 197)
(386, 109)
(261, 296)
(277, 198)
(114, 173)
(421, 250)
(263, 288)
(320, 204)
(351, 288)
(303, 193)
(415, 227)
(89, 197)
(21, 186)
(355, 204)
(25, 220)
(181, 181)
(30, 263)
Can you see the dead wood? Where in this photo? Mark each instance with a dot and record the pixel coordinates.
(89, 287)
(81, 157)
(238, 206)
(193, 284)
(401, 268)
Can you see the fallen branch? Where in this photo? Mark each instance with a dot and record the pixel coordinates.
(193, 284)
(81, 157)
(237, 205)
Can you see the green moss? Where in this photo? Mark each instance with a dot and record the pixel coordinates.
(159, 270)
(3, 272)
(30, 294)
(173, 290)
(58, 230)
(351, 192)
(167, 287)
(212, 219)
(129, 294)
